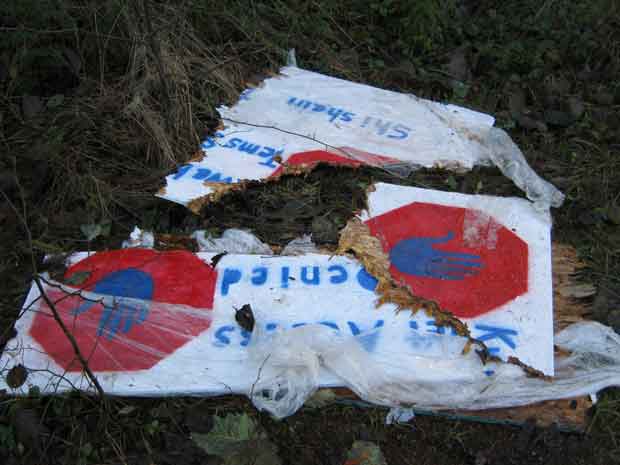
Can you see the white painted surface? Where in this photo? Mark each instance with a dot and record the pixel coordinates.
(300, 110)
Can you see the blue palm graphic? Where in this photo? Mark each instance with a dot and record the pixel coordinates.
(118, 313)
(416, 256)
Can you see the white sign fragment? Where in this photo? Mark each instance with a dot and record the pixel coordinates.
(301, 118)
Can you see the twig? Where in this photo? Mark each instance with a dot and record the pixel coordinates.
(314, 139)
(292, 133)
(260, 369)
(69, 336)
(48, 301)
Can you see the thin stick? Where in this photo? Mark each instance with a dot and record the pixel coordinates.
(48, 301)
(260, 369)
(69, 336)
(313, 139)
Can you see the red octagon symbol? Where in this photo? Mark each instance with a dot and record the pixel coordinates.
(129, 335)
(462, 259)
(356, 158)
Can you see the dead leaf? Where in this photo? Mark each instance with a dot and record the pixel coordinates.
(17, 376)
(237, 439)
(365, 453)
(245, 317)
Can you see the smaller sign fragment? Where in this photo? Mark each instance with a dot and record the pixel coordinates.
(299, 118)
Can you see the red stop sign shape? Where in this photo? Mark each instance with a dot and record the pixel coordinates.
(464, 260)
(357, 158)
(128, 335)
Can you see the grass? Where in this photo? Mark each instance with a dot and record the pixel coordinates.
(88, 128)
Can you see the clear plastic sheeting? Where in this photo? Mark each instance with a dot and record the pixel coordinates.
(289, 375)
(300, 246)
(291, 58)
(232, 241)
(139, 238)
(425, 371)
(507, 156)
(398, 415)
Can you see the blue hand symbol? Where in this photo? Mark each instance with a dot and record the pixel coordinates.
(416, 256)
(120, 313)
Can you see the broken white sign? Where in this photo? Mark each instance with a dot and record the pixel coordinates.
(163, 323)
(299, 118)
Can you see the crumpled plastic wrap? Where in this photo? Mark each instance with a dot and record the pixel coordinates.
(431, 372)
(300, 246)
(139, 238)
(232, 241)
(507, 156)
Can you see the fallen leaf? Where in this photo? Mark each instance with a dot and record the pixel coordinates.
(245, 317)
(365, 453)
(16, 376)
(237, 439)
